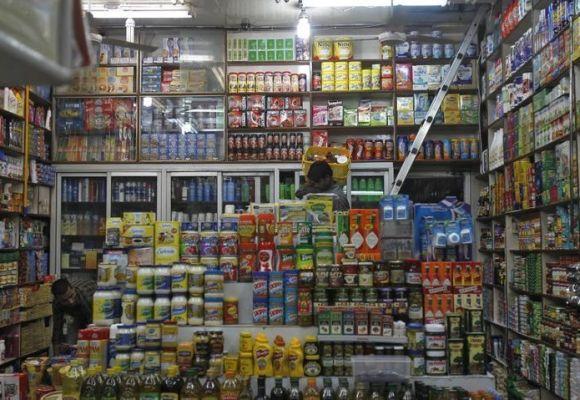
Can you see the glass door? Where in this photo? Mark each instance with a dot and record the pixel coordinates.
(366, 188)
(194, 197)
(134, 192)
(82, 213)
(288, 183)
(242, 189)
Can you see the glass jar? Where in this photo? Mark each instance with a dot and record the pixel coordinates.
(415, 304)
(196, 279)
(136, 360)
(397, 272)
(415, 336)
(153, 335)
(356, 295)
(140, 335)
(195, 310)
(365, 274)
(436, 363)
(350, 275)
(312, 367)
(126, 337)
(123, 361)
(381, 277)
(435, 338)
(214, 311)
(336, 278)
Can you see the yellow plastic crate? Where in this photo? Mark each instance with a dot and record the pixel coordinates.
(339, 171)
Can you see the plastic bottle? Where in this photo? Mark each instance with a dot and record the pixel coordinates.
(278, 392)
(191, 388)
(162, 280)
(342, 393)
(90, 387)
(295, 357)
(179, 309)
(171, 385)
(229, 389)
(327, 392)
(262, 356)
(245, 392)
(72, 381)
(279, 366)
(145, 281)
(145, 308)
(162, 308)
(179, 278)
(261, 389)
(211, 388)
(109, 391)
(129, 306)
(103, 307)
(294, 393)
(311, 391)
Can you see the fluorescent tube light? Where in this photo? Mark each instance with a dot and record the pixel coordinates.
(303, 27)
(369, 3)
(418, 3)
(124, 14)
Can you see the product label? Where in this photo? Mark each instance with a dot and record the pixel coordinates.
(162, 282)
(178, 281)
(179, 314)
(103, 309)
(169, 396)
(145, 283)
(128, 316)
(227, 395)
(162, 313)
(149, 396)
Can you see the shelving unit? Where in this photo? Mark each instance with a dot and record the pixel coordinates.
(506, 182)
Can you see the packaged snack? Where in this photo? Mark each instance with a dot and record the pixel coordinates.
(378, 115)
(335, 112)
(433, 77)
(420, 77)
(236, 102)
(364, 113)
(286, 258)
(322, 49)
(319, 115)
(404, 76)
(304, 232)
(273, 119)
(300, 118)
(256, 102)
(266, 256)
(343, 49)
(285, 234)
(319, 209)
(260, 312)
(276, 312)
(247, 261)
(260, 285)
(450, 102)
(276, 103)
(405, 104)
(350, 117)
(319, 138)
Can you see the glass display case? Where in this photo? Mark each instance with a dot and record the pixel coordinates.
(194, 196)
(96, 129)
(241, 189)
(134, 192)
(185, 61)
(82, 212)
(182, 128)
(288, 182)
(366, 188)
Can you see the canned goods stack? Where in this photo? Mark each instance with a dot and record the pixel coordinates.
(368, 113)
(440, 150)
(343, 76)
(266, 146)
(416, 49)
(368, 149)
(267, 82)
(258, 111)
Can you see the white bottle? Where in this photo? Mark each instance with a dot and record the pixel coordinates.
(179, 309)
(145, 307)
(179, 278)
(196, 279)
(162, 280)
(195, 310)
(103, 307)
(162, 308)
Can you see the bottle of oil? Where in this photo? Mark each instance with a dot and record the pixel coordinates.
(191, 388)
(109, 391)
(211, 388)
(230, 389)
(129, 389)
(150, 388)
(245, 391)
(171, 385)
(311, 391)
(90, 387)
(72, 382)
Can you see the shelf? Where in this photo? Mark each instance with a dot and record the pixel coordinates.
(265, 62)
(40, 127)
(493, 93)
(367, 61)
(12, 150)
(459, 90)
(431, 60)
(11, 114)
(497, 123)
(39, 100)
(523, 25)
(183, 94)
(10, 213)
(548, 344)
(495, 54)
(78, 270)
(96, 95)
(275, 94)
(440, 127)
(484, 219)
(535, 209)
(350, 128)
(89, 236)
(495, 286)
(5, 250)
(11, 179)
(549, 42)
(522, 103)
(84, 133)
(11, 360)
(517, 158)
(553, 143)
(39, 159)
(447, 163)
(178, 63)
(524, 292)
(83, 203)
(350, 92)
(24, 321)
(257, 130)
(362, 339)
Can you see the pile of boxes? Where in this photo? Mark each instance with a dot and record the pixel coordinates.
(429, 77)
(157, 78)
(456, 109)
(267, 49)
(103, 80)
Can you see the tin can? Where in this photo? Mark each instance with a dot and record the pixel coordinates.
(299, 152)
(350, 146)
(269, 139)
(276, 153)
(369, 149)
(359, 150)
(292, 138)
(474, 149)
(292, 153)
(253, 142)
(437, 150)
(268, 82)
(260, 82)
(402, 147)
(302, 83)
(427, 50)
(278, 86)
(429, 149)
(284, 139)
(261, 141)
(465, 148)
(299, 139)
(245, 142)
(276, 137)
(379, 149)
(389, 148)
(233, 82)
(294, 83)
(250, 82)
(455, 149)
(269, 153)
(446, 149)
(316, 82)
(437, 50)
(415, 50)
(242, 82)
(231, 143)
(449, 50)
(284, 153)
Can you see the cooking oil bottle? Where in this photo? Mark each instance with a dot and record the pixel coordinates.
(72, 381)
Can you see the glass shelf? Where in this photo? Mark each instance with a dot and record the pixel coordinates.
(194, 198)
(133, 194)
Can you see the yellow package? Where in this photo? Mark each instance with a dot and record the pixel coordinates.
(291, 211)
(319, 208)
(322, 49)
(341, 86)
(341, 76)
(327, 67)
(354, 85)
(167, 233)
(166, 255)
(137, 235)
(113, 229)
(328, 86)
(343, 48)
(139, 218)
(452, 117)
(451, 102)
(354, 66)
(405, 118)
(341, 66)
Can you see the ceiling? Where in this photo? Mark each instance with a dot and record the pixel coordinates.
(270, 13)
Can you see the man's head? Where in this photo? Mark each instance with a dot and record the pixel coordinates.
(320, 175)
(64, 293)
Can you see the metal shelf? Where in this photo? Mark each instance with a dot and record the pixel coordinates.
(363, 339)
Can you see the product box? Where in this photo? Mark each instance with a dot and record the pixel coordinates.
(291, 211)
(421, 102)
(469, 116)
(475, 354)
(319, 209)
(405, 104)
(468, 102)
(468, 298)
(336, 323)
(450, 102)
(420, 77)
(404, 76)
(167, 233)
(141, 256)
(436, 273)
(166, 255)
(433, 77)
(113, 229)
(138, 235)
(456, 356)
(452, 117)
(405, 118)
(364, 233)
(139, 218)
(14, 386)
(323, 323)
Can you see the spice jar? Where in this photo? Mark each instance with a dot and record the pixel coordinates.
(415, 304)
(381, 277)
(435, 337)
(365, 274)
(336, 278)
(413, 272)
(397, 272)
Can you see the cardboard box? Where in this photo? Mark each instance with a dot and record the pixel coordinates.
(138, 235)
(167, 233)
(166, 255)
(452, 117)
(450, 102)
(139, 218)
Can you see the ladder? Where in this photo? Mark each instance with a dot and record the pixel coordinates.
(434, 107)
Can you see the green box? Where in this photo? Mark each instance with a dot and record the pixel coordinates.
(261, 44)
(289, 44)
(280, 55)
(280, 44)
(252, 44)
(270, 44)
(271, 55)
(289, 55)
(262, 55)
(252, 55)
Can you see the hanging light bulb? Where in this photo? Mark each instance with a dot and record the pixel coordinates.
(303, 26)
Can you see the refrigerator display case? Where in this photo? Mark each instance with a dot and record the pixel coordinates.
(239, 189)
(185, 61)
(368, 183)
(81, 212)
(288, 180)
(182, 128)
(193, 196)
(96, 129)
(134, 192)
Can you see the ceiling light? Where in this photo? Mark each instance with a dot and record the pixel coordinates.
(303, 26)
(137, 14)
(147, 101)
(418, 3)
(345, 3)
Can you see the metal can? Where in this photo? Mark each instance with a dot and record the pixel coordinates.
(286, 81)
(299, 152)
(268, 82)
(233, 82)
(446, 149)
(294, 83)
(276, 141)
(292, 153)
(429, 149)
(261, 154)
(379, 149)
(474, 149)
(465, 148)
(292, 138)
(261, 141)
(253, 142)
(259, 82)
(455, 149)
(438, 150)
(250, 82)
(316, 82)
(269, 153)
(449, 50)
(284, 139)
(299, 139)
(350, 146)
(246, 154)
(270, 139)
(231, 143)
(238, 142)
(245, 142)
(242, 81)
(389, 148)
(276, 153)
(402, 147)
(359, 150)
(302, 83)
(277, 82)
(284, 153)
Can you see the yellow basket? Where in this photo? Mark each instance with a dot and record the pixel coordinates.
(339, 171)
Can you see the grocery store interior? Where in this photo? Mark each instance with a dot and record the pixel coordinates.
(289, 200)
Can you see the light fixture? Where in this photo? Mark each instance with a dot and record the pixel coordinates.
(147, 101)
(303, 26)
(138, 14)
(370, 3)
